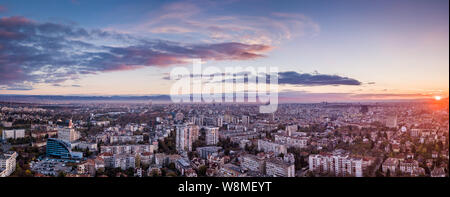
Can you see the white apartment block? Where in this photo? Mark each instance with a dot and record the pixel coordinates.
(268, 146)
(126, 138)
(408, 166)
(86, 145)
(124, 161)
(278, 168)
(129, 149)
(7, 163)
(337, 164)
(13, 134)
(290, 141)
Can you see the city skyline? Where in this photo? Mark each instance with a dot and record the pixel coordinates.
(325, 51)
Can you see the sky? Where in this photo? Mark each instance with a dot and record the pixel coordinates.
(324, 50)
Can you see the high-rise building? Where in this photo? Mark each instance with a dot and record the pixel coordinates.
(245, 120)
(219, 121)
(227, 118)
(195, 131)
(183, 138)
(212, 135)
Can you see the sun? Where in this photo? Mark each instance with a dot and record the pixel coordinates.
(438, 98)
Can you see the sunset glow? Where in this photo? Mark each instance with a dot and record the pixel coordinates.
(366, 51)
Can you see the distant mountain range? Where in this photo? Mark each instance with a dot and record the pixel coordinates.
(72, 98)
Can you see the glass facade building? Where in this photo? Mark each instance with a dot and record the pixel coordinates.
(58, 148)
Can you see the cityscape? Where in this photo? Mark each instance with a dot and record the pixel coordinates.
(224, 88)
(407, 139)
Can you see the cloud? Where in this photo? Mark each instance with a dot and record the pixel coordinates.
(205, 21)
(32, 52)
(65, 86)
(3, 8)
(19, 87)
(300, 79)
(166, 76)
(316, 79)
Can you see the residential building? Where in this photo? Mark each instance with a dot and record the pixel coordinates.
(7, 163)
(13, 134)
(212, 135)
(68, 134)
(291, 141)
(279, 168)
(408, 166)
(205, 152)
(253, 163)
(336, 163)
(268, 146)
(390, 164)
(184, 137)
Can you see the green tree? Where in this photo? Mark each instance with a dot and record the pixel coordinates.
(202, 170)
(171, 174)
(61, 174)
(171, 166)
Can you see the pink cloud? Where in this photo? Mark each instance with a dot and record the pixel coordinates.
(14, 21)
